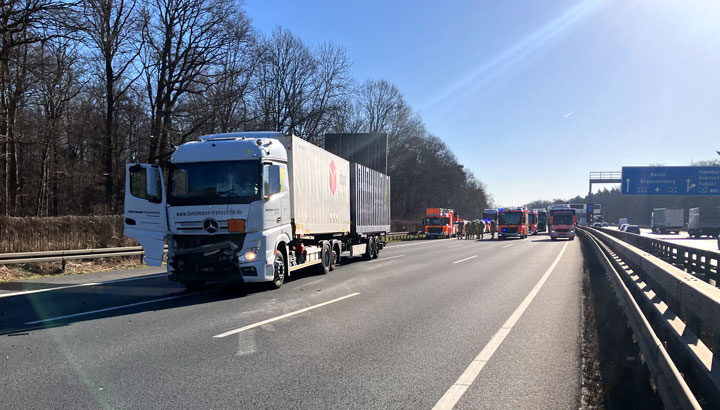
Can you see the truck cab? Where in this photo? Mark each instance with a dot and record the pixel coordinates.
(440, 223)
(512, 223)
(223, 212)
(562, 222)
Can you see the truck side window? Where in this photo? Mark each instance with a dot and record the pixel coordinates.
(266, 178)
(139, 186)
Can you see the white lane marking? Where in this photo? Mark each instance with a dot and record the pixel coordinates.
(275, 319)
(79, 285)
(508, 245)
(307, 284)
(91, 312)
(384, 259)
(466, 259)
(456, 391)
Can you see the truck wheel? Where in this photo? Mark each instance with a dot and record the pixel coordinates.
(326, 260)
(375, 249)
(193, 285)
(279, 270)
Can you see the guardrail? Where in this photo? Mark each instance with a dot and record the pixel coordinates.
(673, 309)
(78, 254)
(702, 263)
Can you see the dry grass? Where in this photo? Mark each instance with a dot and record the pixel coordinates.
(26, 234)
(48, 269)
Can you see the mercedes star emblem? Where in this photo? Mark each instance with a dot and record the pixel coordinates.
(210, 225)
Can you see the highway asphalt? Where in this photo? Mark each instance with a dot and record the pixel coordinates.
(464, 323)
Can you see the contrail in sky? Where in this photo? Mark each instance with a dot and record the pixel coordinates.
(568, 114)
(511, 58)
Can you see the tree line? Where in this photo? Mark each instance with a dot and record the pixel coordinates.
(87, 86)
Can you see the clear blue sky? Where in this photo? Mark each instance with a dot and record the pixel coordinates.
(533, 95)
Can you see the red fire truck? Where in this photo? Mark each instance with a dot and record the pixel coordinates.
(512, 223)
(561, 223)
(440, 223)
(533, 221)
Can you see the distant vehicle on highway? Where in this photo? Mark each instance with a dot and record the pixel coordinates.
(441, 223)
(562, 221)
(597, 225)
(604, 224)
(632, 229)
(664, 220)
(704, 221)
(622, 227)
(542, 220)
(512, 222)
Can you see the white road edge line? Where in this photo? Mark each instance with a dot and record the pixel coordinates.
(466, 259)
(91, 312)
(457, 390)
(275, 319)
(79, 285)
(384, 259)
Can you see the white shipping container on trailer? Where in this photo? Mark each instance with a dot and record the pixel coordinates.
(320, 188)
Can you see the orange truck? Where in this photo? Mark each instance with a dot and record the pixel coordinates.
(440, 223)
(512, 223)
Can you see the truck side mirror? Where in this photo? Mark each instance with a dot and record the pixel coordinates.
(273, 184)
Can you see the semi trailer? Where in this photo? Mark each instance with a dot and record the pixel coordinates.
(254, 207)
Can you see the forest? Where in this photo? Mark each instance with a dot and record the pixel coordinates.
(88, 86)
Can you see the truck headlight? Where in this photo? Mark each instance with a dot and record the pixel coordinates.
(251, 254)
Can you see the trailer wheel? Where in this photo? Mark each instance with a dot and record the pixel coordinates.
(335, 257)
(375, 249)
(368, 250)
(278, 270)
(325, 259)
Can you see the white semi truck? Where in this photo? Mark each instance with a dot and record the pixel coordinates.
(254, 207)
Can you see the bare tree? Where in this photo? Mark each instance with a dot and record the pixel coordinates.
(112, 31)
(183, 40)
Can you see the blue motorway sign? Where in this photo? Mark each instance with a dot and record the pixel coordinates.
(697, 181)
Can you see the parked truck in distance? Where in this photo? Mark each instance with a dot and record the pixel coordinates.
(440, 223)
(254, 207)
(664, 220)
(561, 222)
(622, 221)
(704, 221)
(542, 220)
(490, 220)
(532, 221)
(512, 223)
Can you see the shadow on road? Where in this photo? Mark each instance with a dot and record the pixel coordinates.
(22, 314)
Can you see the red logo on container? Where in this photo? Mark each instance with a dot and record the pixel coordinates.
(333, 177)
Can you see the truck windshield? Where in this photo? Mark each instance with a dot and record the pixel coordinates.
(562, 219)
(438, 221)
(510, 218)
(532, 218)
(209, 183)
(489, 215)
